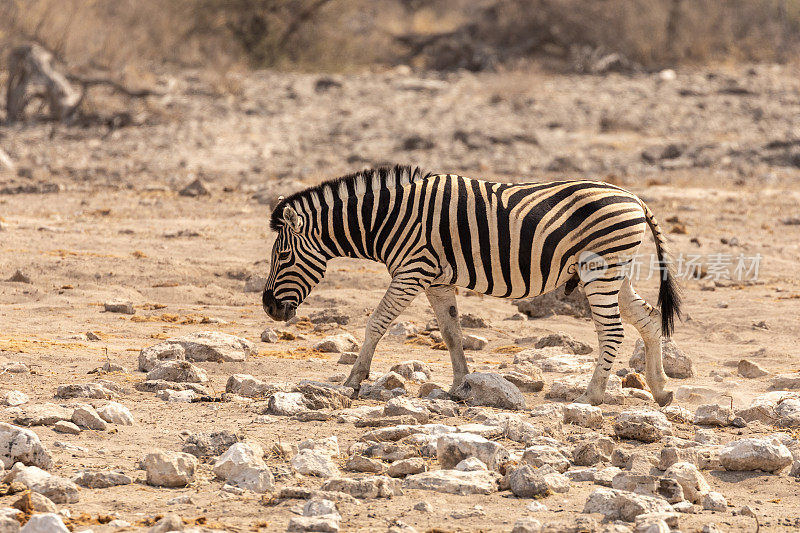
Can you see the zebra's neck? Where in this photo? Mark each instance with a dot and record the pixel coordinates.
(361, 215)
(369, 225)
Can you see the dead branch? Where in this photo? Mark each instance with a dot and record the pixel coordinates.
(32, 65)
(301, 17)
(118, 87)
(33, 75)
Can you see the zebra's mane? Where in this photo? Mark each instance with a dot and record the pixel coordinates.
(361, 182)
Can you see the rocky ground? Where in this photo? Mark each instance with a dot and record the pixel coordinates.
(143, 382)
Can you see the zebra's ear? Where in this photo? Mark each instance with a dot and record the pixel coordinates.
(292, 219)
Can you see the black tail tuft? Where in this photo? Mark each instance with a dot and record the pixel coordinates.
(669, 301)
(669, 293)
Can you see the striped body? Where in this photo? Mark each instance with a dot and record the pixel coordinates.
(438, 231)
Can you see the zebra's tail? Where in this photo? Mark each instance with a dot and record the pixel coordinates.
(669, 293)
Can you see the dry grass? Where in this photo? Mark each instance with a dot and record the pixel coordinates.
(126, 36)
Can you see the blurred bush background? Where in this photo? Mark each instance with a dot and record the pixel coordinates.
(342, 35)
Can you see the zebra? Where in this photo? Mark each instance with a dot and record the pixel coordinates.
(436, 232)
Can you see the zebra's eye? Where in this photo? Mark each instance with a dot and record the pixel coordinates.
(283, 256)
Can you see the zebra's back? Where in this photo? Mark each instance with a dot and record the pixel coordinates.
(518, 240)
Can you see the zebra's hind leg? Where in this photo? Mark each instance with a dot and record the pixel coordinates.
(398, 296)
(603, 295)
(443, 302)
(647, 321)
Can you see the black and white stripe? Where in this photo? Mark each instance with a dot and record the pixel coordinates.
(439, 231)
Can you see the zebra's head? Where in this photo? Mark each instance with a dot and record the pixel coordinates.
(297, 264)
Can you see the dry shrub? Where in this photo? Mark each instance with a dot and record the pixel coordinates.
(340, 34)
(653, 33)
(110, 34)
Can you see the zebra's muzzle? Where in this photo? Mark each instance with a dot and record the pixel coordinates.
(277, 310)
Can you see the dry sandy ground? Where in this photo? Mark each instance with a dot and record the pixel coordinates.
(105, 236)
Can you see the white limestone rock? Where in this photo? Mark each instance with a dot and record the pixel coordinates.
(94, 479)
(750, 369)
(286, 404)
(401, 406)
(151, 356)
(407, 369)
(86, 417)
(119, 306)
(713, 415)
(44, 414)
(652, 526)
(242, 465)
(343, 342)
(314, 463)
(491, 390)
(62, 426)
(321, 507)
(116, 413)
(403, 329)
(454, 482)
(347, 358)
(471, 464)
(765, 454)
(58, 489)
(269, 335)
(13, 398)
(176, 396)
(453, 448)
(250, 387)
(406, 467)
(169, 469)
(583, 415)
(530, 381)
(178, 372)
(95, 391)
(623, 505)
(45, 523)
(168, 523)
(365, 488)
(642, 424)
(788, 412)
(786, 382)
(211, 443)
(542, 454)
(528, 482)
(214, 346)
(527, 525)
(324, 524)
(703, 457)
(328, 445)
(39, 503)
(22, 445)
(676, 413)
(360, 463)
(474, 342)
(592, 451)
(691, 480)
(714, 501)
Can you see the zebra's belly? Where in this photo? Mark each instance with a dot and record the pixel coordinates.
(504, 286)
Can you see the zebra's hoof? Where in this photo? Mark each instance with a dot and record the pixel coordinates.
(456, 383)
(355, 386)
(664, 399)
(583, 398)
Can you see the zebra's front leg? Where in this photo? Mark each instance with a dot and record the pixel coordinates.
(443, 302)
(398, 296)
